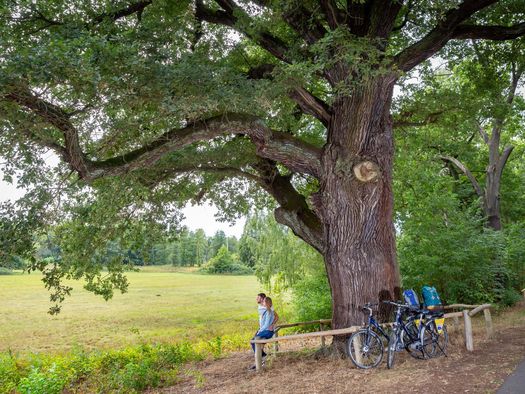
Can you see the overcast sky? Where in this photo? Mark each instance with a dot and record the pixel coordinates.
(202, 216)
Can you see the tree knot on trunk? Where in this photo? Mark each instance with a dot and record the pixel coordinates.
(366, 171)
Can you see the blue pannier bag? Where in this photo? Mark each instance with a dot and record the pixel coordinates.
(411, 297)
(431, 298)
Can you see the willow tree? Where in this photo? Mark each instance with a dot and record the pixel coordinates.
(216, 97)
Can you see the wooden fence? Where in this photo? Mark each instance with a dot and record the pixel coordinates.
(465, 311)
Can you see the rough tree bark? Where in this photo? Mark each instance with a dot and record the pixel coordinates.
(355, 202)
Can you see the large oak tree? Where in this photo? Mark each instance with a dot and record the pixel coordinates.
(291, 96)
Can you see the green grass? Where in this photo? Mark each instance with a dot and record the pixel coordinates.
(161, 306)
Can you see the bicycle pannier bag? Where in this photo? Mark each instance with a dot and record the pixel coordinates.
(411, 297)
(431, 298)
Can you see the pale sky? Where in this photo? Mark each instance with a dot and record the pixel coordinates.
(202, 216)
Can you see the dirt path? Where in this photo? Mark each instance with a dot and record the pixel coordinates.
(480, 371)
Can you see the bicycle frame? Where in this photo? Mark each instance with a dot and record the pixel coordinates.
(373, 323)
(400, 326)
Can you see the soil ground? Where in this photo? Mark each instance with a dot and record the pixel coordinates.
(297, 369)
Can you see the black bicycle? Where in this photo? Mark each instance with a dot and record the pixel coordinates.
(365, 346)
(422, 334)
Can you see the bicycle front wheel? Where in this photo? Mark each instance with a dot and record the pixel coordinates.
(392, 348)
(365, 348)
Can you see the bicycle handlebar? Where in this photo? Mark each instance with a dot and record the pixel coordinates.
(368, 307)
(402, 306)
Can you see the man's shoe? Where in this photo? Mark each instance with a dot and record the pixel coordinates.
(252, 368)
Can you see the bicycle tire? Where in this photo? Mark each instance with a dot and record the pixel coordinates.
(413, 344)
(365, 349)
(391, 353)
(434, 343)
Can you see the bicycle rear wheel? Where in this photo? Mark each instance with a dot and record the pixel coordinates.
(434, 342)
(412, 340)
(365, 348)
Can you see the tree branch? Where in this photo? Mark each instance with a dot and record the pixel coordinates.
(137, 8)
(134, 8)
(430, 118)
(332, 13)
(465, 171)
(293, 211)
(295, 154)
(305, 23)
(228, 17)
(496, 33)
(409, 7)
(439, 35)
(311, 105)
(483, 134)
(358, 17)
(308, 103)
(516, 75)
(286, 149)
(503, 160)
(54, 115)
(383, 15)
(158, 175)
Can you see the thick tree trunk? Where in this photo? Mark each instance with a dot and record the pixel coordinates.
(355, 202)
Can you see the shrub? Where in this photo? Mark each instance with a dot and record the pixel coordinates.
(51, 381)
(311, 298)
(215, 346)
(129, 370)
(5, 271)
(140, 375)
(509, 297)
(225, 263)
(10, 373)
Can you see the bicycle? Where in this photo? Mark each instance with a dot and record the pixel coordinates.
(404, 336)
(419, 337)
(365, 346)
(435, 333)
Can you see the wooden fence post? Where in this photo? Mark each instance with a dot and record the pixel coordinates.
(488, 322)
(258, 356)
(276, 344)
(321, 328)
(469, 342)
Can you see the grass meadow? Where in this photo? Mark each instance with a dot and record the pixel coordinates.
(162, 305)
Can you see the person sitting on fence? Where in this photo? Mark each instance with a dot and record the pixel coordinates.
(262, 308)
(266, 322)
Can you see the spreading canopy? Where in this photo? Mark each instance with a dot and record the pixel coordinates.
(152, 103)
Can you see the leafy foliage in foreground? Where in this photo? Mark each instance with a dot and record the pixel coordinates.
(128, 370)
